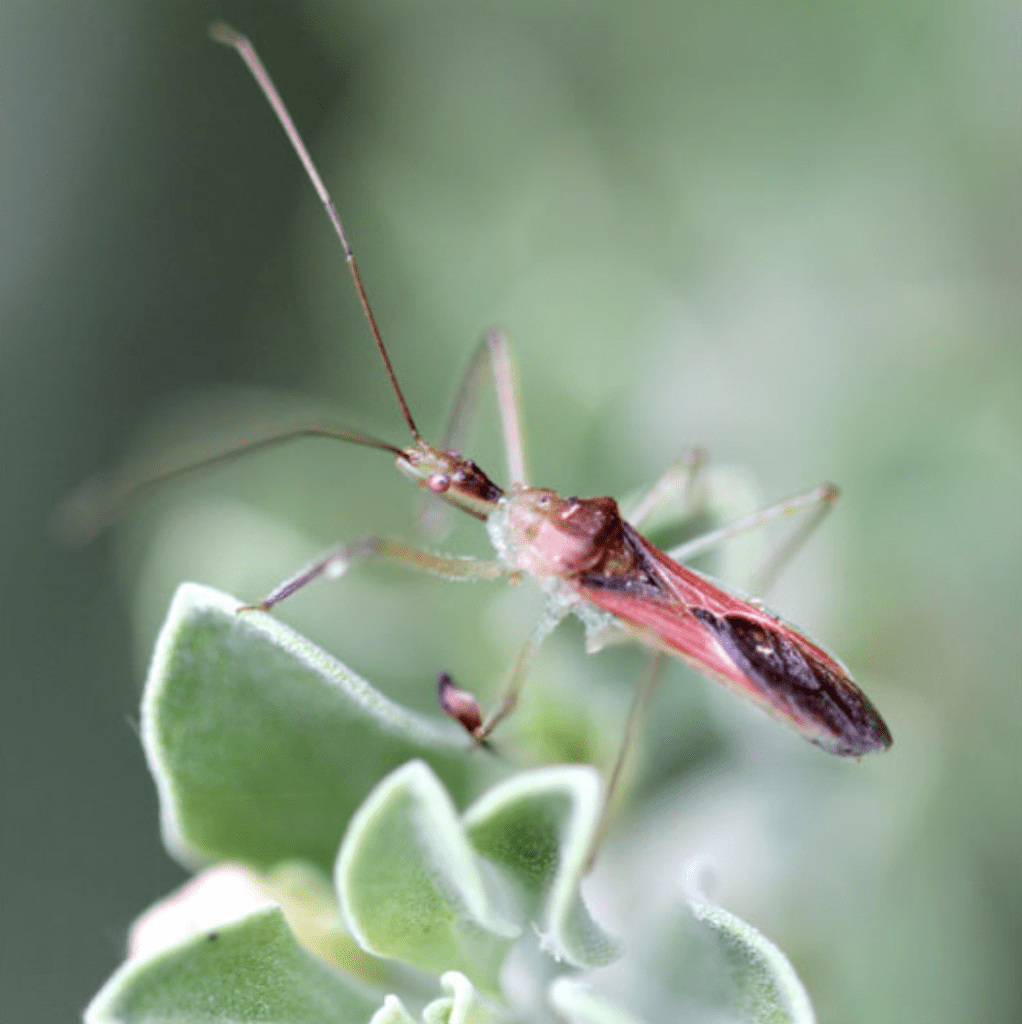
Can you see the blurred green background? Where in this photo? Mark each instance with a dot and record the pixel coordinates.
(787, 232)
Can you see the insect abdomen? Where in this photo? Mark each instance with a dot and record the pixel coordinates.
(800, 684)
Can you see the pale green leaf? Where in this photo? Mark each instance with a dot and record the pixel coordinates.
(262, 745)
(409, 884)
(761, 984)
(392, 1012)
(537, 829)
(249, 970)
(708, 961)
(574, 1001)
(461, 1005)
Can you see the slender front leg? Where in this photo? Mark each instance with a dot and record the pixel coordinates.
(638, 714)
(818, 501)
(491, 360)
(433, 514)
(335, 564)
(494, 351)
(516, 679)
(679, 480)
(505, 381)
(465, 408)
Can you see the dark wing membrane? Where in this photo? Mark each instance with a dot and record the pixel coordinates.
(743, 647)
(801, 685)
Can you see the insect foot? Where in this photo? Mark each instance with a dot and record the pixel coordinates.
(459, 704)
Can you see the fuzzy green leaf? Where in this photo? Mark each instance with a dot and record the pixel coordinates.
(574, 1001)
(262, 745)
(461, 1005)
(537, 828)
(409, 884)
(392, 1012)
(250, 970)
(764, 986)
(711, 961)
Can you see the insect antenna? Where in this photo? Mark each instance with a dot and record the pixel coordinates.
(229, 37)
(102, 501)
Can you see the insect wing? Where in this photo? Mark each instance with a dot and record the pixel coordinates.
(748, 650)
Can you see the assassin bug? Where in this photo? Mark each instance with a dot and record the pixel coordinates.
(589, 560)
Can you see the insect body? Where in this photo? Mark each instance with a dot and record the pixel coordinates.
(586, 556)
(583, 547)
(591, 562)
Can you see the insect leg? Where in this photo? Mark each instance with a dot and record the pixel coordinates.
(818, 502)
(335, 563)
(677, 482)
(462, 417)
(492, 359)
(642, 700)
(516, 679)
(825, 498)
(495, 350)
(505, 381)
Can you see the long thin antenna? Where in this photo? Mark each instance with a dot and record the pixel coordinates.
(101, 501)
(229, 37)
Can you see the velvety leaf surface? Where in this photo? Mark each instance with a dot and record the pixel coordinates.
(764, 988)
(262, 745)
(306, 897)
(392, 1012)
(577, 1004)
(712, 962)
(537, 829)
(250, 970)
(409, 884)
(461, 1005)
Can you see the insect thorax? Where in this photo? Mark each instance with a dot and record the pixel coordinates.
(513, 547)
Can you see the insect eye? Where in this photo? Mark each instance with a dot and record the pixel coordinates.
(438, 483)
(543, 501)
